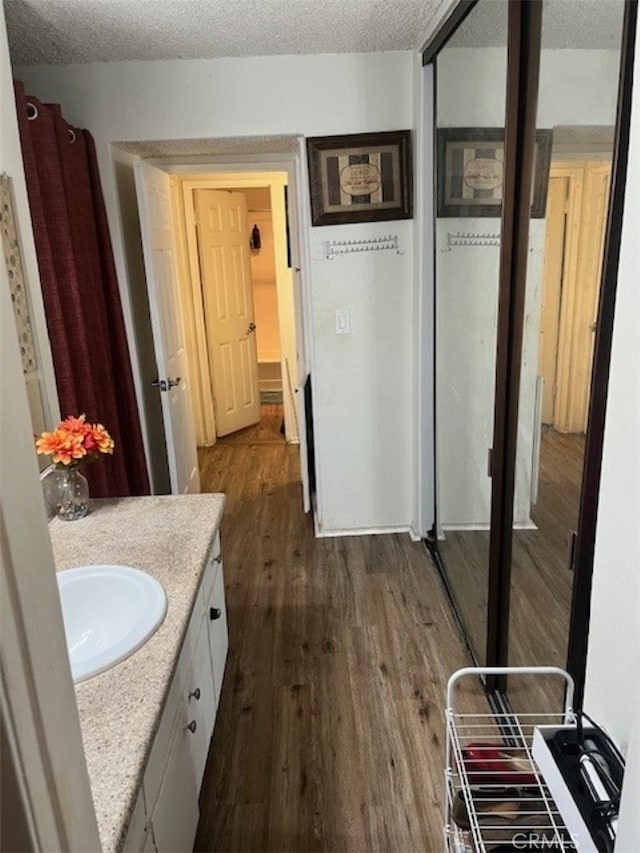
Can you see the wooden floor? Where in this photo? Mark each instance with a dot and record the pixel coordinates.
(329, 734)
(541, 583)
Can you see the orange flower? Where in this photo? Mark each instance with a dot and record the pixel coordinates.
(48, 443)
(74, 440)
(65, 448)
(72, 424)
(102, 439)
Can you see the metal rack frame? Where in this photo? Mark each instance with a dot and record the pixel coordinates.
(538, 816)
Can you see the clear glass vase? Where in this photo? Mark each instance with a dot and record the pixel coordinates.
(72, 494)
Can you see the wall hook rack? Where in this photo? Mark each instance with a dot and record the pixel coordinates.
(335, 248)
(471, 238)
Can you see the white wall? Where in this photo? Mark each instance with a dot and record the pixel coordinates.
(38, 700)
(612, 693)
(263, 276)
(613, 666)
(577, 87)
(366, 379)
(42, 394)
(363, 425)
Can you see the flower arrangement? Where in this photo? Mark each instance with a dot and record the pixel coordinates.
(74, 441)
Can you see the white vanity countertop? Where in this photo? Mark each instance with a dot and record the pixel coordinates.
(169, 537)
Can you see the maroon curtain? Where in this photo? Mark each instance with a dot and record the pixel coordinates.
(80, 290)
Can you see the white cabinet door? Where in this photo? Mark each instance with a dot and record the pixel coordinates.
(175, 816)
(136, 834)
(149, 846)
(201, 708)
(218, 636)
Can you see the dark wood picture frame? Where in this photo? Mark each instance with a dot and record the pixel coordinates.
(360, 177)
(489, 144)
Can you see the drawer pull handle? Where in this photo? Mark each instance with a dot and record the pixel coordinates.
(214, 613)
(194, 694)
(218, 559)
(192, 727)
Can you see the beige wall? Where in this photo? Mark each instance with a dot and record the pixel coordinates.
(263, 273)
(41, 388)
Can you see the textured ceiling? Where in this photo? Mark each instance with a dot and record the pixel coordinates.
(70, 31)
(586, 24)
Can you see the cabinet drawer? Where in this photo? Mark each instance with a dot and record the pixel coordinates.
(218, 635)
(214, 562)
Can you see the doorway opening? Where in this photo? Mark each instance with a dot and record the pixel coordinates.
(225, 288)
(237, 259)
(242, 351)
(236, 253)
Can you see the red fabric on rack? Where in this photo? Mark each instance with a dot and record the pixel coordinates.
(80, 291)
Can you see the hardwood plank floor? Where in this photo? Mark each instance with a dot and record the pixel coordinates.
(330, 729)
(541, 583)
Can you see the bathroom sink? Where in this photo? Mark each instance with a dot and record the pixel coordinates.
(109, 612)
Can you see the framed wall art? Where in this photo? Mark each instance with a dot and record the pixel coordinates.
(362, 177)
(470, 168)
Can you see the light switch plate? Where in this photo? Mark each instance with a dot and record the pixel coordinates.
(343, 321)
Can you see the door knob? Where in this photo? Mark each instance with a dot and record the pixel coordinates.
(251, 328)
(159, 383)
(173, 382)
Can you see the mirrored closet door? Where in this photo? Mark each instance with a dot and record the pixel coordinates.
(471, 81)
(576, 116)
(532, 108)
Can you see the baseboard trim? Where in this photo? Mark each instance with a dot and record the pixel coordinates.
(469, 528)
(360, 531)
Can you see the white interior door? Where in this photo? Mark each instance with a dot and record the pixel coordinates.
(225, 271)
(158, 244)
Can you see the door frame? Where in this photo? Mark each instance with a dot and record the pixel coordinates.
(37, 696)
(523, 66)
(294, 164)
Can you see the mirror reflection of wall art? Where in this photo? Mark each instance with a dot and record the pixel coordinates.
(470, 171)
(362, 177)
